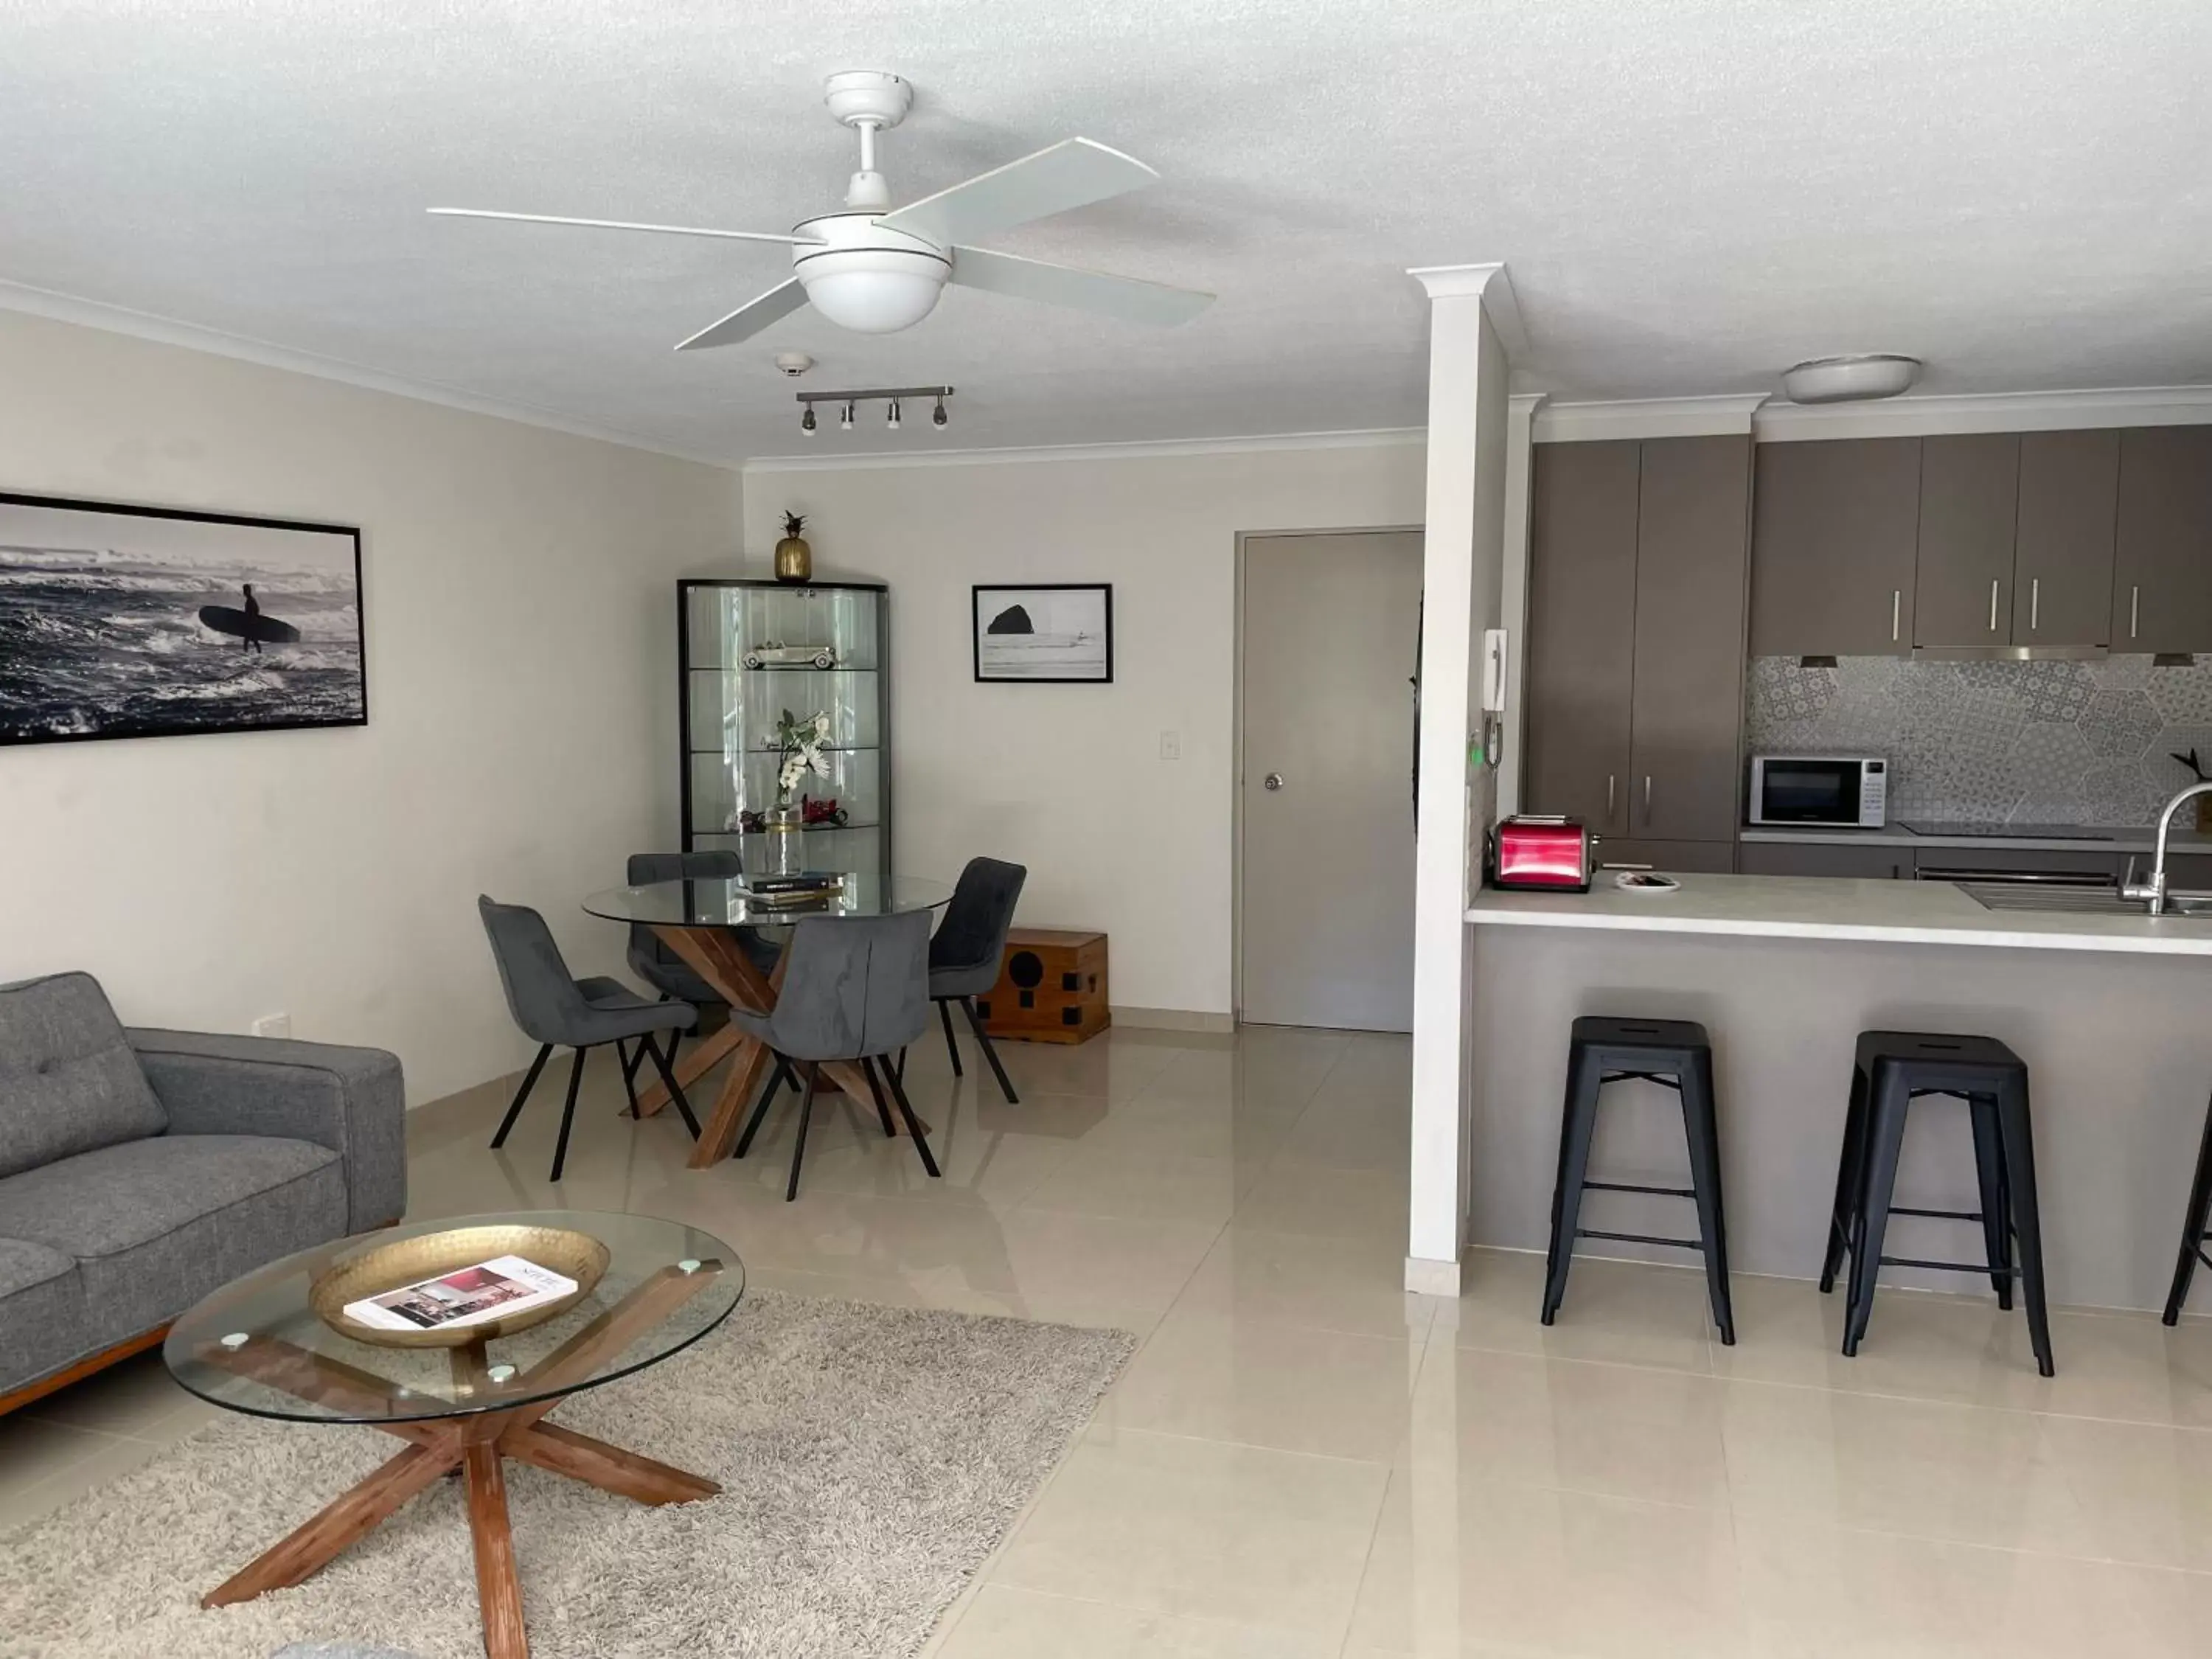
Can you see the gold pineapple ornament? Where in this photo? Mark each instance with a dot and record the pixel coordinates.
(794, 559)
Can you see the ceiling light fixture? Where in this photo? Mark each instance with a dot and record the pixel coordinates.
(891, 395)
(1849, 379)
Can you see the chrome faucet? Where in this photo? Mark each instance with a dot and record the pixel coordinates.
(2153, 892)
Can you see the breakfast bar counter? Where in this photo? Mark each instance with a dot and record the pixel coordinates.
(2111, 1011)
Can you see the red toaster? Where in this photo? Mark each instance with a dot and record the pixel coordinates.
(1543, 852)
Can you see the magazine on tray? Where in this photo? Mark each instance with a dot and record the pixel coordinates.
(467, 1296)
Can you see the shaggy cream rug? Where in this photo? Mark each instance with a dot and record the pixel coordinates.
(870, 1459)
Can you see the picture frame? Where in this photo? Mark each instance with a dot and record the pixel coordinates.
(1043, 633)
(124, 621)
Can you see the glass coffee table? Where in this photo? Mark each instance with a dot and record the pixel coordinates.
(258, 1346)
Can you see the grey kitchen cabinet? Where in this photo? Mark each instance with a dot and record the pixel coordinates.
(1874, 862)
(2185, 873)
(1582, 630)
(1970, 487)
(2162, 540)
(1833, 545)
(1638, 566)
(2062, 577)
(1693, 565)
(1703, 858)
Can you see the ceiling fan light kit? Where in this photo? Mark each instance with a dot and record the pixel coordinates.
(1849, 379)
(874, 269)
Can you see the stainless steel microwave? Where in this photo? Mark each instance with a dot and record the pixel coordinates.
(1845, 792)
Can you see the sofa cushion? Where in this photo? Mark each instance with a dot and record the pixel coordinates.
(43, 1325)
(153, 1225)
(68, 1082)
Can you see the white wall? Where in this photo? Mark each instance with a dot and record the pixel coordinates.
(519, 606)
(1067, 779)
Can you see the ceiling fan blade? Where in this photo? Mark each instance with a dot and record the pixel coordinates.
(619, 224)
(1130, 298)
(1072, 173)
(751, 318)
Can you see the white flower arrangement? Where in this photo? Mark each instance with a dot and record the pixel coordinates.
(801, 742)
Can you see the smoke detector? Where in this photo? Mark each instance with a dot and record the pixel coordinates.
(1849, 379)
(793, 364)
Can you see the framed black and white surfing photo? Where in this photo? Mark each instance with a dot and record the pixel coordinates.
(1051, 633)
(144, 621)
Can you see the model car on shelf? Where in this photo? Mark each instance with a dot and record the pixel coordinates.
(771, 653)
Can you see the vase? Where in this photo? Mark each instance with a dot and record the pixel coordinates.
(794, 560)
(786, 841)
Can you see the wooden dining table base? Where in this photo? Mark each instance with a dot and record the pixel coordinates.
(714, 955)
(475, 1446)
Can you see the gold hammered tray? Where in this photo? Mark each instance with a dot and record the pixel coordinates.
(405, 1262)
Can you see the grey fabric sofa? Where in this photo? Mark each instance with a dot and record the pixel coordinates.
(140, 1170)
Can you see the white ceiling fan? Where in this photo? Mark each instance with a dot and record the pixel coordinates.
(876, 269)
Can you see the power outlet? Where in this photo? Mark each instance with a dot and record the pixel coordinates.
(273, 1025)
(1170, 746)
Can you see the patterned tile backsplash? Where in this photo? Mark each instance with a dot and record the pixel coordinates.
(2086, 743)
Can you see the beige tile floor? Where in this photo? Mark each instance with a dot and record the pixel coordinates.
(1303, 1461)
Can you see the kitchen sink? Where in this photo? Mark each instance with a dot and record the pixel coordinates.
(2078, 901)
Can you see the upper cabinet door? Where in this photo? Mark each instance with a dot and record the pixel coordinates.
(1969, 496)
(2070, 486)
(1582, 618)
(1834, 528)
(1692, 557)
(2162, 544)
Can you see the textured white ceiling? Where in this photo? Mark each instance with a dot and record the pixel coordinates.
(1689, 193)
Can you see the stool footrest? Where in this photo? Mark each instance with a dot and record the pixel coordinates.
(1979, 1269)
(1632, 1186)
(1940, 1215)
(1643, 1238)
(2201, 1257)
(1663, 1079)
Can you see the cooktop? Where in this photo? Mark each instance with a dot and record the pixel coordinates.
(2005, 831)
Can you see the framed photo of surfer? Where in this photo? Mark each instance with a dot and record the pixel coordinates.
(144, 621)
(1049, 634)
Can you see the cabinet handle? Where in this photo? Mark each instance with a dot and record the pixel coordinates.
(2034, 603)
(2134, 611)
(1896, 612)
(1608, 798)
(1647, 800)
(1993, 605)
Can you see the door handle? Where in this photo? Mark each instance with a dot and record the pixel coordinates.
(2134, 611)
(2034, 602)
(1896, 612)
(1647, 800)
(1608, 798)
(1272, 783)
(1993, 605)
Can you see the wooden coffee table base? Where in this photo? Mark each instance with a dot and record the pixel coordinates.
(478, 1446)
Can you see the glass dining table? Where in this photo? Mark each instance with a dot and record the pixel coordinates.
(695, 918)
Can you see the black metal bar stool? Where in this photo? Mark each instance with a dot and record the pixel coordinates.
(2196, 1229)
(1676, 1055)
(1892, 1069)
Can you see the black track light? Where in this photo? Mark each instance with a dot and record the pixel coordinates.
(937, 419)
(892, 421)
(806, 421)
(845, 422)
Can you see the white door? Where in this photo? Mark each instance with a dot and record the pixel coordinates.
(1331, 630)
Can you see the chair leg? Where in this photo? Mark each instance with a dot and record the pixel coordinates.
(799, 1146)
(675, 1090)
(530, 1082)
(876, 1088)
(568, 1114)
(1997, 1213)
(1700, 1121)
(983, 1041)
(1850, 1171)
(2192, 1227)
(1887, 1100)
(913, 1128)
(2020, 1175)
(768, 1097)
(1577, 1123)
(945, 1013)
(631, 1059)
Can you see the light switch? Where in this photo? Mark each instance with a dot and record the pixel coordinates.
(1170, 746)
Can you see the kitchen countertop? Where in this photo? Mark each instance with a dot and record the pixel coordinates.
(1830, 908)
(2134, 838)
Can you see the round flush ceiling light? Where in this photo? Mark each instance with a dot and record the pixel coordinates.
(1849, 379)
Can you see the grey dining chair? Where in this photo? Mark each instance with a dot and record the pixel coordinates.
(964, 957)
(652, 959)
(555, 1008)
(857, 988)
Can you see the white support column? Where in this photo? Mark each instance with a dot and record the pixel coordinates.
(1471, 316)
(1513, 592)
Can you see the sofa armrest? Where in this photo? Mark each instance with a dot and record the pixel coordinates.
(350, 1100)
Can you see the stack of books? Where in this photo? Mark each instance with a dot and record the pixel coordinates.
(791, 891)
